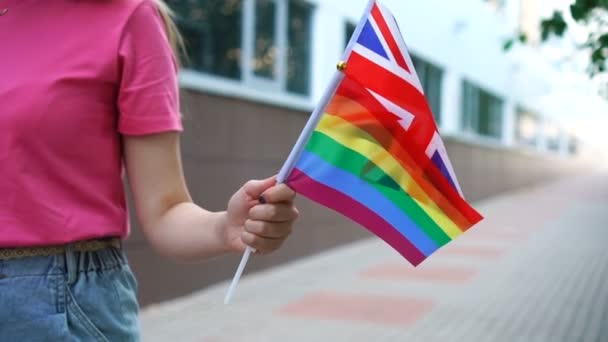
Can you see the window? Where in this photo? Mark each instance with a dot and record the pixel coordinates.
(431, 78)
(526, 128)
(481, 111)
(212, 34)
(299, 42)
(573, 145)
(265, 45)
(349, 30)
(262, 43)
(553, 136)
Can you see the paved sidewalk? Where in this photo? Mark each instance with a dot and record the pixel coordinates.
(535, 270)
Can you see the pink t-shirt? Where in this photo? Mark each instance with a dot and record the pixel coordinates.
(74, 76)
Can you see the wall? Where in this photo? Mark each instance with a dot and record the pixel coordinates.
(228, 141)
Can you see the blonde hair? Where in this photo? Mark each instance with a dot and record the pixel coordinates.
(175, 38)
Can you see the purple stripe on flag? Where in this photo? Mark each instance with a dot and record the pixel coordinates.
(438, 161)
(358, 189)
(357, 212)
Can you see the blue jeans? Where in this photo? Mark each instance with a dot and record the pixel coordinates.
(75, 296)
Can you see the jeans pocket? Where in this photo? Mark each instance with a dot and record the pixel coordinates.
(27, 298)
(48, 328)
(81, 325)
(102, 305)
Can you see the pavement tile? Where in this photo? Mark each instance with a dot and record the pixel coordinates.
(427, 273)
(215, 339)
(385, 310)
(472, 251)
(499, 235)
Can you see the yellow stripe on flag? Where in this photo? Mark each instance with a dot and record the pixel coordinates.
(360, 141)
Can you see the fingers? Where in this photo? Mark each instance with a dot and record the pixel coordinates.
(278, 193)
(255, 188)
(268, 230)
(268, 226)
(280, 212)
(271, 217)
(260, 244)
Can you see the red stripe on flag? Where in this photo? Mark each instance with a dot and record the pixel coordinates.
(414, 150)
(359, 115)
(388, 36)
(397, 90)
(354, 210)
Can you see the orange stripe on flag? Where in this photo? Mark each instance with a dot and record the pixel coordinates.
(394, 138)
(358, 115)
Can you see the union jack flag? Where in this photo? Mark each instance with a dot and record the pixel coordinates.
(378, 59)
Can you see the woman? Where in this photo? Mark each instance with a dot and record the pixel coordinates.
(87, 86)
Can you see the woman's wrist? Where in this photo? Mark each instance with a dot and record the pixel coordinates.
(220, 224)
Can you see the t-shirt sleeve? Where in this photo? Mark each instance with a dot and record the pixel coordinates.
(148, 99)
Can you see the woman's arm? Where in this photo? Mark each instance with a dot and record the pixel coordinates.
(180, 229)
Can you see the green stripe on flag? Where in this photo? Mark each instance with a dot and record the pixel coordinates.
(353, 162)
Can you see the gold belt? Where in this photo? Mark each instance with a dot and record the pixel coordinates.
(78, 246)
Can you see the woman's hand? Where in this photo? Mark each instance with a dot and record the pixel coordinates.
(182, 230)
(260, 215)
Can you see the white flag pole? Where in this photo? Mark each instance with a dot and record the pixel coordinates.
(289, 164)
(237, 275)
(311, 124)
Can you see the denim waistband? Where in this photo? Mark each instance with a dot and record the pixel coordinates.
(69, 263)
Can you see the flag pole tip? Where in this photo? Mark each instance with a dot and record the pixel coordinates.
(341, 66)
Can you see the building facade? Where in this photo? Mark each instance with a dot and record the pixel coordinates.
(256, 68)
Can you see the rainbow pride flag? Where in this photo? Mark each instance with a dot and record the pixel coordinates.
(372, 152)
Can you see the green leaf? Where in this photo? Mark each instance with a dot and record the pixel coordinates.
(523, 38)
(581, 9)
(544, 35)
(577, 12)
(508, 44)
(598, 57)
(545, 29)
(559, 24)
(554, 25)
(603, 39)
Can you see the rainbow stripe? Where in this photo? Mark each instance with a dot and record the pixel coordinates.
(356, 163)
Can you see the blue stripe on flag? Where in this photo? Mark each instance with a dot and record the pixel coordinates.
(357, 189)
(370, 40)
(444, 170)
